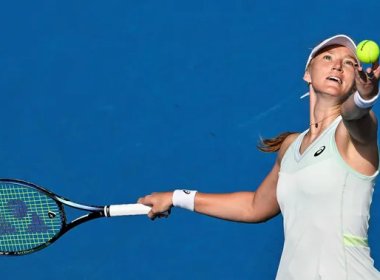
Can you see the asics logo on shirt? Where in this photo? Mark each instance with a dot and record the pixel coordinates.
(320, 151)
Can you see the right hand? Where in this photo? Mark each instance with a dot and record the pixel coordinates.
(161, 203)
(367, 81)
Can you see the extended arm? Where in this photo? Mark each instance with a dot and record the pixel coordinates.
(249, 207)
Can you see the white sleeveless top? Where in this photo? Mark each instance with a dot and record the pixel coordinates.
(325, 204)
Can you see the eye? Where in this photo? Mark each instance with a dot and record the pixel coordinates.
(327, 57)
(350, 62)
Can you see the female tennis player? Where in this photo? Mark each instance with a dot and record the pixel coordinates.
(323, 178)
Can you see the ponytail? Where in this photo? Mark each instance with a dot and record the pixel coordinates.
(271, 145)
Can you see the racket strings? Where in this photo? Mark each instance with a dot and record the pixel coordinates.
(28, 218)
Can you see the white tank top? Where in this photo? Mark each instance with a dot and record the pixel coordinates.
(325, 204)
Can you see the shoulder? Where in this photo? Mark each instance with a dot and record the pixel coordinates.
(285, 145)
(356, 142)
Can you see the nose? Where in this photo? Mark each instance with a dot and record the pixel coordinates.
(337, 66)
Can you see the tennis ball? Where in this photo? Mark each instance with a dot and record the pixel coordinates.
(367, 51)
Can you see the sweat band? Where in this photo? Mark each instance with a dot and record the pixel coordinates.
(184, 199)
(362, 103)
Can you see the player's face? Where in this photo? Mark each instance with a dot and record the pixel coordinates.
(332, 71)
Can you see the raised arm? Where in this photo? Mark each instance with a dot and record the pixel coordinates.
(361, 122)
(357, 138)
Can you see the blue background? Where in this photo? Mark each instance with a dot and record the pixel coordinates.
(106, 101)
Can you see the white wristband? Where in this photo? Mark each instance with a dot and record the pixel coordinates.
(362, 103)
(184, 199)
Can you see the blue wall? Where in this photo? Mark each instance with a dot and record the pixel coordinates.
(105, 101)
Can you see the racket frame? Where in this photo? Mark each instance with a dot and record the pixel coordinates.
(95, 212)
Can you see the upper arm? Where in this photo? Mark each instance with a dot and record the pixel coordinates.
(361, 123)
(265, 205)
(356, 141)
(356, 137)
(362, 130)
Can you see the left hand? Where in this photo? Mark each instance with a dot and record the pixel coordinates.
(367, 81)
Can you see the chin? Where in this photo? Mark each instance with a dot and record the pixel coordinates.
(336, 91)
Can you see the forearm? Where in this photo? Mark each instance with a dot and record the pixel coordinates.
(359, 104)
(350, 111)
(361, 123)
(236, 206)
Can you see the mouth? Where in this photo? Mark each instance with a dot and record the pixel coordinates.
(335, 79)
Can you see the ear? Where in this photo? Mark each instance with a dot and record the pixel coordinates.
(306, 77)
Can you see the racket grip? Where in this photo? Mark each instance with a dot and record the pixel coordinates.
(126, 210)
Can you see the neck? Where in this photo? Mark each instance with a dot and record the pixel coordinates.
(327, 119)
(322, 111)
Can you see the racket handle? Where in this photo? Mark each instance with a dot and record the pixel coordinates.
(126, 210)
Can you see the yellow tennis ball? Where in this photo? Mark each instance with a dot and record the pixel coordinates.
(367, 51)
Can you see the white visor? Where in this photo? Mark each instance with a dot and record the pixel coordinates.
(342, 40)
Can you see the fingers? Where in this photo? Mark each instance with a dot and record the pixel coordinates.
(373, 71)
(153, 214)
(145, 200)
(368, 75)
(375, 65)
(360, 74)
(376, 69)
(159, 203)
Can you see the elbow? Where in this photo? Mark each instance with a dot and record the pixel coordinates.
(264, 219)
(260, 218)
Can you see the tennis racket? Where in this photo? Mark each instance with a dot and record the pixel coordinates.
(32, 218)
